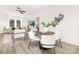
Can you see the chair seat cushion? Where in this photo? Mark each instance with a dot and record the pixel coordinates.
(36, 38)
(19, 30)
(48, 46)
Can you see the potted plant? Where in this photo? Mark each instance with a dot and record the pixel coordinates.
(47, 25)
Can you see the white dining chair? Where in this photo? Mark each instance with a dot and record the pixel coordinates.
(48, 41)
(18, 33)
(32, 37)
(58, 35)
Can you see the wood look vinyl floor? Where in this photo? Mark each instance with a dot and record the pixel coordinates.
(21, 47)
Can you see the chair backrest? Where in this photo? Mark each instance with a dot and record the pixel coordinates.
(58, 34)
(19, 33)
(48, 39)
(33, 29)
(31, 34)
(58, 30)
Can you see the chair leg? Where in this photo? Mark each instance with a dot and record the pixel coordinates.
(12, 36)
(56, 43)
(54, 50)
(24, 38)
(42, 51)
(13, 40)
(60, 43)
(29, 44)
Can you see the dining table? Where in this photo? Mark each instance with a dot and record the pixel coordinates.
(44, 33)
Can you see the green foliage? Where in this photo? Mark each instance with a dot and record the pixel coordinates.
(48, 24)
(53, 23)
(43, 24)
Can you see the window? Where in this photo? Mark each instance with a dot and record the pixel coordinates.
(18, 23)
(12, 23)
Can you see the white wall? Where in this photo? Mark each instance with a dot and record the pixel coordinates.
(70, 25)
(3, 21)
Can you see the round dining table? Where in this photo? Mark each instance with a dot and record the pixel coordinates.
(44, 33)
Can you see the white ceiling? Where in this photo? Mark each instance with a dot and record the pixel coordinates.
(31, 9)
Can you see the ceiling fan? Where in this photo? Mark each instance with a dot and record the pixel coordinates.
(21, 11)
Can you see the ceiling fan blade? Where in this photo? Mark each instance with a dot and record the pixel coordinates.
(18, 7)
(23, 11)
(17, 10)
